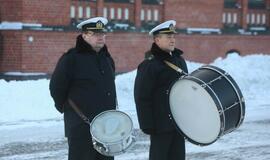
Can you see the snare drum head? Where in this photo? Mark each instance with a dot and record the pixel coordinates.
(111, 126)
(194, 112)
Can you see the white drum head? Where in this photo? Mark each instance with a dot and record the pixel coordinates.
(194, 111)
(111, 126)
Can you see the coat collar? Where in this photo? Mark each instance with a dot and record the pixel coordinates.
(162, 55)
(83, 47)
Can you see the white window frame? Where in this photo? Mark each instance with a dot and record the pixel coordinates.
(252, 18)
(149, 15)
(126, 14)
(258, 19)
(112, 13)
(234, 18)
(105, 12)
(224, 18)
(229, 18)
(119, 13)
(142, 15)
(156, 13)
(72, 12)
(88, 12)
(247, 19)
(80, 12)
(263, 19)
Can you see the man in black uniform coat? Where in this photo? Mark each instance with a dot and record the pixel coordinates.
(152, 83)
(85, 74)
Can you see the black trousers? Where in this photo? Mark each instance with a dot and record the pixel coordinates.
(167, 146)
(82, 149)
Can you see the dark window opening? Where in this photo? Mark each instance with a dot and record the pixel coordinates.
(233, 51)
(152, 1)
(256, 4)
(231, 4)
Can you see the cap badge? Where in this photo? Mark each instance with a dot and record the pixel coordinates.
(99, 25)
(171, 27)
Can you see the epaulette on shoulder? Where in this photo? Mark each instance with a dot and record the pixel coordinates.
(150, 57)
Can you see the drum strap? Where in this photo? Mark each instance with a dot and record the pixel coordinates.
(173, 66)
(78, 111)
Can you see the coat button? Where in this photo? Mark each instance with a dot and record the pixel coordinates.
(108, 93)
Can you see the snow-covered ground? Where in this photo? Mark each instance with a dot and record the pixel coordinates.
(31, 128)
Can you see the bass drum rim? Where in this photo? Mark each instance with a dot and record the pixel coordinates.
(215, 98)
(215, 101)
(234, 86)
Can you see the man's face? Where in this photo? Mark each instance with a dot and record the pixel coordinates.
(95, 39)
(165, 41)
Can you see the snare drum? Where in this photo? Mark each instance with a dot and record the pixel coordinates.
(112, 132)
(206, 104)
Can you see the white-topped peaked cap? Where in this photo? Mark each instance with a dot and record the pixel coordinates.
(167, 27)
(93, 24)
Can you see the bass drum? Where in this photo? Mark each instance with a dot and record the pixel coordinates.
(206, 104)
(112, 132)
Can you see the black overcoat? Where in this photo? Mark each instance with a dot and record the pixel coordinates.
(153, 81)
(87, 78)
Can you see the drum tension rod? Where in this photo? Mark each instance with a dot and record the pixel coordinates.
(210, 82)
(235, 103)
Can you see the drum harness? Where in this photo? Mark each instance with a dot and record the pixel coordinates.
(176, 68)
(78, 111)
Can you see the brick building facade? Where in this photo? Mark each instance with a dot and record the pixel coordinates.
(35, 33)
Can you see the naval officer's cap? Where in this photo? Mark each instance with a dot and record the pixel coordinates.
(96, 24)
(167, 27)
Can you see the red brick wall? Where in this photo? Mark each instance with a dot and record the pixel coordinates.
(36, 11)
(194, 13)
(42, 53)
(11, 10)
(10, 51)
(127, 49)
(46, 12)
(206, 48)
